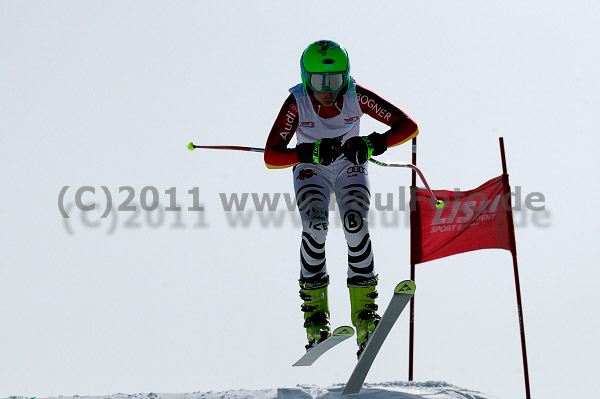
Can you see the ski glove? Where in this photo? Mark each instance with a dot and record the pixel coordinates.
(324, 151)
(360, 149)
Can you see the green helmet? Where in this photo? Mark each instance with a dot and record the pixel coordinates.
(325, 65)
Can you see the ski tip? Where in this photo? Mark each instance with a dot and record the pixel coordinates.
(344, 331)
(350, 391)
(405, 287)
(301, 363)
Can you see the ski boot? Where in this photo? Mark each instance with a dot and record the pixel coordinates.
(316, 311)
(363, 307)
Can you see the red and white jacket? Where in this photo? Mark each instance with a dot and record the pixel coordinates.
(277, 155)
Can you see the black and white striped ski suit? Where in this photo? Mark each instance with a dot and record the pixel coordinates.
(313, 184)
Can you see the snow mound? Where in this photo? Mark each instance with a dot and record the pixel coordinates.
(386, 390)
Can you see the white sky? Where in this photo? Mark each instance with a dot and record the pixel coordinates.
(109, 93)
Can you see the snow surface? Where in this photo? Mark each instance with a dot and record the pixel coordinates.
(388, 390)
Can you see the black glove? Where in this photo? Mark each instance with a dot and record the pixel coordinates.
(324, 151)
(360, 149)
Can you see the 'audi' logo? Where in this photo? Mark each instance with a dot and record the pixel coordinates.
(357, 169)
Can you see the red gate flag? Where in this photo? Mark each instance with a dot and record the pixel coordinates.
(476, 219)
(470, 220)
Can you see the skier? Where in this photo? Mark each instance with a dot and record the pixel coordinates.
(331, 157)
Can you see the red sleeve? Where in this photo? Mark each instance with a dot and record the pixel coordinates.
(277, 155)
(402, 127)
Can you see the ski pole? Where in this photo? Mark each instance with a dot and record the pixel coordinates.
(192, 146)
(438, 203)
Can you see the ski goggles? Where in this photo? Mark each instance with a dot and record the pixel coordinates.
(320, 82)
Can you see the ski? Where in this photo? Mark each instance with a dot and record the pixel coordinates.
(339, 334)
(402, 295)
